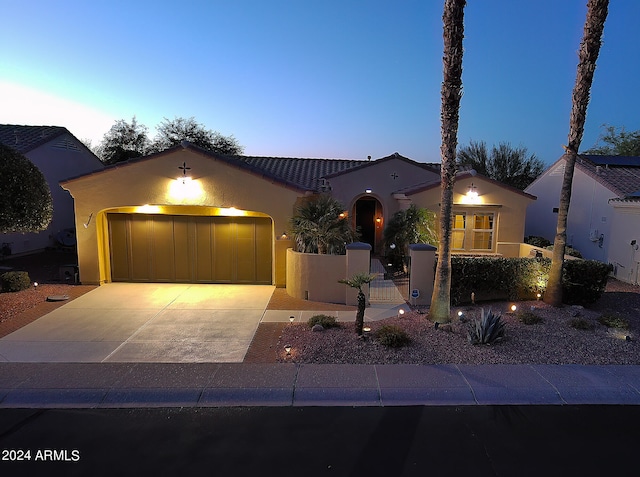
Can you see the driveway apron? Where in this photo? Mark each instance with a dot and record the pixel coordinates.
(134, 322)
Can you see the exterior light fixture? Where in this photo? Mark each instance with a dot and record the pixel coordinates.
(35, 285)
(459, 313)
(378, 220)
(400, 312)
(368, 191)
(513, 308)
(539, 295)
(287, 348)
(291, 319)
(284, 236)
(366, 329)
(184, 169)
(342, 215)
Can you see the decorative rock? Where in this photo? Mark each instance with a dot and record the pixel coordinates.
(57, 297)
(317, 327)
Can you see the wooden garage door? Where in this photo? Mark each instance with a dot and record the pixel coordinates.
(173, 248)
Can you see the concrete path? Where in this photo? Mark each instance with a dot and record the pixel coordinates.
(133, 322)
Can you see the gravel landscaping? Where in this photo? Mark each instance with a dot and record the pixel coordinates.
(552, 341)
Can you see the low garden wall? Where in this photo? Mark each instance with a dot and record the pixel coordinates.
(312, 276)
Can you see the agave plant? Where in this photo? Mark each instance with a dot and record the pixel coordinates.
(487, 330)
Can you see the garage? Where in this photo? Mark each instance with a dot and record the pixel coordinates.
(190, 249)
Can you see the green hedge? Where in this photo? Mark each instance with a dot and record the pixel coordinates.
(584, 281)
(15, 281)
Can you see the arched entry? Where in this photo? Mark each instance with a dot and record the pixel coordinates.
(367, 212)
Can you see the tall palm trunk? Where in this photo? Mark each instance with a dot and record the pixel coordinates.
(453, 34)
(589, 49)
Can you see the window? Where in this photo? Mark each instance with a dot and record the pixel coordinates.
(483, 231)
(459, 229)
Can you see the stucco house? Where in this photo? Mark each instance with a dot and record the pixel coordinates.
(58, 154)
(190, 215)
(601, 223)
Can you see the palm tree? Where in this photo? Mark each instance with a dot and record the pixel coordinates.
(320, 226)
(413, 225)
(358, 281)
(453, 34)
(589, 49)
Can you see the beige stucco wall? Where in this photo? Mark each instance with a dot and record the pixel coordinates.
(314, 277)
(510, 205)
(218, 187)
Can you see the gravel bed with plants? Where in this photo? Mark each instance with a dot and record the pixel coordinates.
(606, 332)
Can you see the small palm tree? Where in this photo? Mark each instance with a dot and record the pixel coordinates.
(318, 226)
(413, 225)
(358, 281)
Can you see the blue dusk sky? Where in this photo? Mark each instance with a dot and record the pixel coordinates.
(315, 78)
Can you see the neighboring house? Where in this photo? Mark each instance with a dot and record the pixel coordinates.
(58, 154)
(190, 215)
(600, 222)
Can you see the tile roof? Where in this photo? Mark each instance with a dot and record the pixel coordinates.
(26, 138)
(304, 173)
(620, 174)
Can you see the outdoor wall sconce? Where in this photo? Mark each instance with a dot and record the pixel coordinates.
(472, 192)
(184, 169)
(86, 225)
(343, 215)
(287, 348)
(378, 220)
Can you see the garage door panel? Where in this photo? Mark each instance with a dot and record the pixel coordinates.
(264, 232)
(163, 258)
(223, 250)
(182, 246)
(119, 247)
(140, 249)
(203, 245)
(165, 248)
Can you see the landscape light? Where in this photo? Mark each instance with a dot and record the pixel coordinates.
(400, 312)
(460, 313)
(366, 329)
(287, 348)
(514, 308)
(35, 285)
(291, 318)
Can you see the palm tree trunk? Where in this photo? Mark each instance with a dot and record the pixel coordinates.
(453, 34)
(597, 11)
(362, 304)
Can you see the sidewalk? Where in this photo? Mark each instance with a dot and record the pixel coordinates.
(117, 385)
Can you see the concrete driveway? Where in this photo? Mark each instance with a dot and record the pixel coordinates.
(133, 322)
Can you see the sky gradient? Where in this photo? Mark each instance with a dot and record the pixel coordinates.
(330, 78)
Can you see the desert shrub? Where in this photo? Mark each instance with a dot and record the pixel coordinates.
(584, 281)
(487, 330)
(15, 281)
(392, 336)
(537, 241)
(581, 324)
(529, 318)
(612, 320)
(325, 320)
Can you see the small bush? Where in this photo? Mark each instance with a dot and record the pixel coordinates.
(392, 336)
(529, 318)
(537, 241)
(325, 320)
(487, 330)
(15, 281)
(581, 324)
(614, 321)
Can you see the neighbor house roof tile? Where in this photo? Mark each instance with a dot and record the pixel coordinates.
(26, 138)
